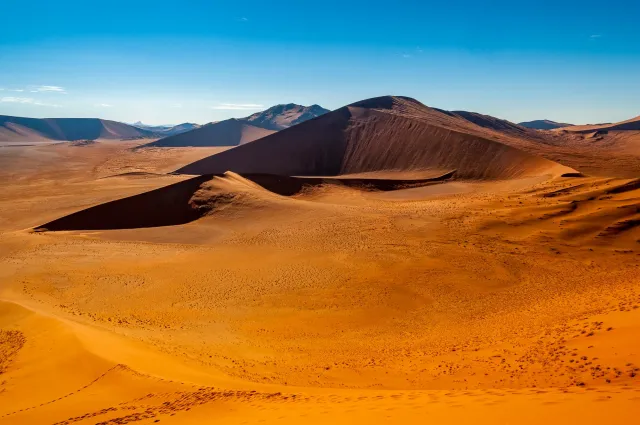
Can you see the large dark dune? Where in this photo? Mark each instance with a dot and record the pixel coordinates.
(385, 134)
(66, 129)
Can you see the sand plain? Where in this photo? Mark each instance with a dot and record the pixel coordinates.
(484, 301)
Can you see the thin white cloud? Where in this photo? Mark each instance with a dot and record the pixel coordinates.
(103, 105)
(49, 89)
(16, 90)
(176, 105)
(12, 99)
(27, 101)
(595, 36)
(405, 55)
(243, 19)
(238, 106)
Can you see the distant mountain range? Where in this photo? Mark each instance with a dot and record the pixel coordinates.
(234, 132)
(167, 130)
(280, 117)
(230, 132)
(544, 124)
(14, 129)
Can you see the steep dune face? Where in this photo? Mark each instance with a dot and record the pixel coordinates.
(385, 134)
(166, 206)
(230, 132)
(66, 129)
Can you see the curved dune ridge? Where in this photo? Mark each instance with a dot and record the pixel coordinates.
(230, 132)
(383, 134)
(189, 200)
(67, 129)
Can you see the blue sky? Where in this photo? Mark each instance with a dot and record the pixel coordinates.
(200, 61)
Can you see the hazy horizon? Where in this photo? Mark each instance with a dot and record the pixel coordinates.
(138, 62)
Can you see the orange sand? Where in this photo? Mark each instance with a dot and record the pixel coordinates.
(484, 301)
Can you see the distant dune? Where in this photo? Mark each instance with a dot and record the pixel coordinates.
(384, 134)
(14, 129)
(543, 124)
(632, 124)
(232, 132)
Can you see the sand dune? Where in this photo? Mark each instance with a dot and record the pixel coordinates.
(381, 134)
(631, 124)
(234, 132)
(230, 132)
(66, 129)
(189, 200)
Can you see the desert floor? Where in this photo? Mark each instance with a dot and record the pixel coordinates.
(510, 302)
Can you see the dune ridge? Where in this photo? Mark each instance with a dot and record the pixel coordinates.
(388, 133)
(189, 200)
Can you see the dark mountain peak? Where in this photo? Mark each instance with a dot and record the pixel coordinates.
(284, 115)
(544, 124)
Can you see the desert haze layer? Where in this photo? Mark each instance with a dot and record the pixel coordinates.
(386, 262)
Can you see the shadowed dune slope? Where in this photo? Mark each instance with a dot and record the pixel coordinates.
(160, 207)
(390, 134)
(189, 200)
(230, 132)
(66, 129)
